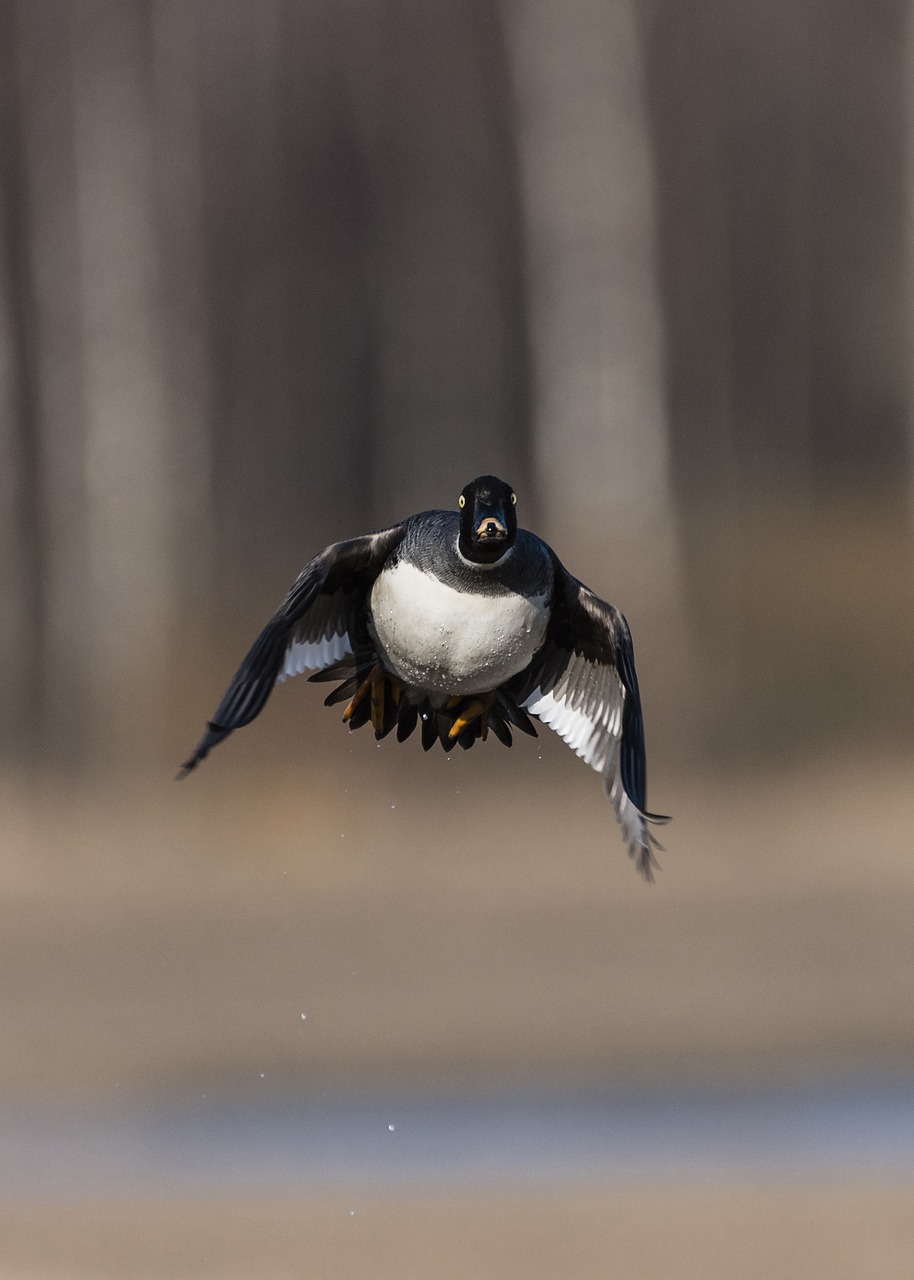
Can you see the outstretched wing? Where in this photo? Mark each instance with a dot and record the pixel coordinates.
(316, 625)
(582, 683)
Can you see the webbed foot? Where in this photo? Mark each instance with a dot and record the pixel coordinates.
(473, 709)
(375, 686)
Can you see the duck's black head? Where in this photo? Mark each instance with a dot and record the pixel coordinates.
(488, 519)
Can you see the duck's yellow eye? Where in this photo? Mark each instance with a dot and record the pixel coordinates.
(514, 498)
(461, 501)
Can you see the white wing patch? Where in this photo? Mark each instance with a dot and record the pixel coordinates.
(313, 655)
(595, 734)
(592, 734)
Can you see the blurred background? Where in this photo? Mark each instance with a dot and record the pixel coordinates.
(276, 273)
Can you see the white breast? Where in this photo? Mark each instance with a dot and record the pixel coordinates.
(448, 641)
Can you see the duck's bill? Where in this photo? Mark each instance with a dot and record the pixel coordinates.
(490, 529)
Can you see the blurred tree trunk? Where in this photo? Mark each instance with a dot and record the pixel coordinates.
(778, 136)
(599, 421)
(362, 217)
(21, 576)
(284, 232)
(183, 331)
(429, 85)
(908, 329)
(20, 573)
(778, 133)
(49, 413)
(133, 529)
(113, 517)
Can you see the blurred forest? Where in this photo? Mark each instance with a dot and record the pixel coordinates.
(273, 274)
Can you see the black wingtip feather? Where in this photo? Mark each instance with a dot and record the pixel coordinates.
(246, 695)
(215, 734)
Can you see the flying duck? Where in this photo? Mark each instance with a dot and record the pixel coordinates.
(461, 623)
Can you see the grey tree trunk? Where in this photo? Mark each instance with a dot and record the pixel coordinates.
(134, 529)
(598, 356)
(428, 83)
(21, 622)
(50, 414)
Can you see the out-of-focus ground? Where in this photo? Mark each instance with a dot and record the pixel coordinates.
(448, 919)
(462, 923)
(793, 1230)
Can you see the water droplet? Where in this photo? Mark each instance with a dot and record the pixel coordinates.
(391, 1127)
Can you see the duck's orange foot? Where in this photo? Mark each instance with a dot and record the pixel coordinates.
(473, 709)
(377, 697)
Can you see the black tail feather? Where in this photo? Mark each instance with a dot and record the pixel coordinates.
(338, 671)
(361, 715)
(517, 715)
(343, 692)
(499, 725)
(436, 722)
(390, 713)
(407, 719)
(429, 730)
(444, 721)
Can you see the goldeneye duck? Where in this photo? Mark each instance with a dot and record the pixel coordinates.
(459, 622)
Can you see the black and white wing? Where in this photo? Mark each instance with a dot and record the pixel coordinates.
(582, 683)
(318, 624)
